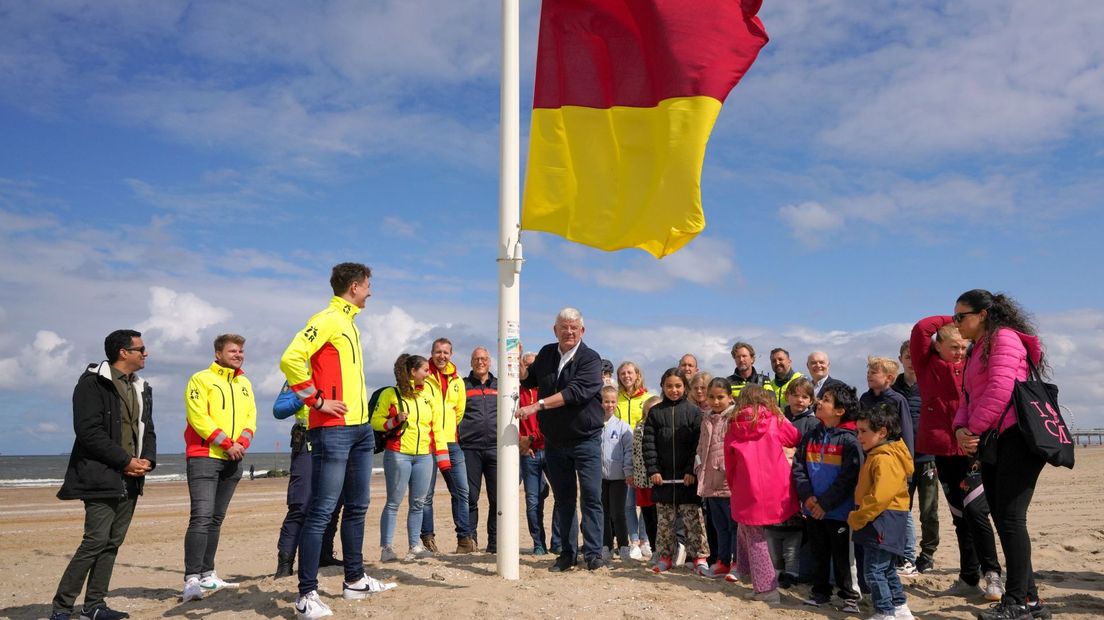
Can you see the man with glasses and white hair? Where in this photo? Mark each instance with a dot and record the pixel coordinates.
(568, 378)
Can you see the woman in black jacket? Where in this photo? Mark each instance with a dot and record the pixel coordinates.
(670, 445)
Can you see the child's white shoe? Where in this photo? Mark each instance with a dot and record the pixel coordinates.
(902, 612)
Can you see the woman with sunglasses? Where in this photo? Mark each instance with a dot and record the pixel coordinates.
(1005, 343)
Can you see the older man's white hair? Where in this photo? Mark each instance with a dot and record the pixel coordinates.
(570, 314)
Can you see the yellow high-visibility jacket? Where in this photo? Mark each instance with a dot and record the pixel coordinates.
(220, 409)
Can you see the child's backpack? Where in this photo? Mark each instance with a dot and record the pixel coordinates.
(381, 437)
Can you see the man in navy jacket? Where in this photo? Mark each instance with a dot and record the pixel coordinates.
(568, 378)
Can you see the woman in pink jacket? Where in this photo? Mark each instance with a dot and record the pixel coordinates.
(758, 475)
(1004, 340)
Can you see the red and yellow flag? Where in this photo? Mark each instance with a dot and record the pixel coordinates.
(627, 92)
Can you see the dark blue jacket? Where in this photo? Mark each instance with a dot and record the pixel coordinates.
(805, 421)
(826, 466)
(478, 429)
(580, 383)
(894, 399)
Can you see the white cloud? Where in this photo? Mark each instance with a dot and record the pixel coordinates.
(809, 221)
(46, 360)
(179, 317)
(387, 335)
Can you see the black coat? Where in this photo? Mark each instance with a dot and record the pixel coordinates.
(669, 447)
(581, 386)
(478, 429)
(98, 459)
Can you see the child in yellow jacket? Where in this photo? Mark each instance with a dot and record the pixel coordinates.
(882, 508)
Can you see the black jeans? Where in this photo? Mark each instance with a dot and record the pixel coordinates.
(211, 484)
(482, 465)
(613, 508)
(1009, 486)
(977, 547)
(832, 551)
(105, 526)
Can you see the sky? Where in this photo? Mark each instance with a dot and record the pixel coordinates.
(193, 168)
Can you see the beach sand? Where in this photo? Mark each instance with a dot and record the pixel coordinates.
(39, 533)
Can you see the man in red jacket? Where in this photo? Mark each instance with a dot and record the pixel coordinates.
(939, 368)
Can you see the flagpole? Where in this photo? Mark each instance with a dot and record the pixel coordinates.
(509, 298)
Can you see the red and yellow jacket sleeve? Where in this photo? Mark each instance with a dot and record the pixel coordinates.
(295, 363)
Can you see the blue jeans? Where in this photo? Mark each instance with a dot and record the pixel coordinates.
(636, 525)
(401, 471)
(536, 491)
(456, 479)
(583, 459)
(910, 538)
(880, 571)
(341, 458)
(720, 511)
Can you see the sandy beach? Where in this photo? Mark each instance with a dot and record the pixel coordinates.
(38, 534)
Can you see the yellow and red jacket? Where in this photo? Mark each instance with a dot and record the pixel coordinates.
(418, 434)
(325, 362)
(451, 395)
(631, 408)
(220, 410)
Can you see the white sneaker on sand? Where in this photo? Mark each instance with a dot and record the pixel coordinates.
(212, 583)
(387, 554)
(880, 616)
(418, 552)
(680, 555)
(364, 587)
(635, 553)
(902, 612)
(994, 588)
(646, 550)
(908, 569)
(770, 596)
(309, 607)
(192, 590)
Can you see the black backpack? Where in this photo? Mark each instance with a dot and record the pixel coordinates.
(381, 437)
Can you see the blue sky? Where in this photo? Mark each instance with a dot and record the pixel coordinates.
(192, 168)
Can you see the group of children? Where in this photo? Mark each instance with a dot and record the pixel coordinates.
(786, 479)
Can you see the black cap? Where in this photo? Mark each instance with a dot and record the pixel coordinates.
(607, 366)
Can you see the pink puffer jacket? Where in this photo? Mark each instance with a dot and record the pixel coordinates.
(758, 470)
(709, 466)
(989, 385)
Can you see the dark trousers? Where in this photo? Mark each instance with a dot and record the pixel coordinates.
(650, 517)
(211, 484)
(105, 526)
(298, 498)
(711, 533)
(832, 550)
(977, 547)
(613, 509)
(482, 465)
(575, 472)
(1009, 486)
(719, 512)
(925, 484)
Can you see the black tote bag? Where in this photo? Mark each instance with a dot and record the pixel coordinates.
(1040, 419)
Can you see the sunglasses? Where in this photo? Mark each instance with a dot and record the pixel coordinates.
(138, 349)
(958, 316)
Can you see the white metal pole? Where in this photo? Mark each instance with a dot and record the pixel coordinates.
(509, 298)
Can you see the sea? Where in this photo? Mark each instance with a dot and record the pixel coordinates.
(48, 471)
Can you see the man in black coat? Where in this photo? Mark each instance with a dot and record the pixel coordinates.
(115, 448)
(568, 378)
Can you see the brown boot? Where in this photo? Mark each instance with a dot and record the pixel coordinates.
(429, 541)
(465, 544)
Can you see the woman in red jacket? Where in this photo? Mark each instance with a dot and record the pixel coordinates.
(1005, 345)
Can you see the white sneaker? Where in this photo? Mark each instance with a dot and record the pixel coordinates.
(212, 583)
(310, 607)
(418, 552)
(192, 590)
(902, 612)
(606, 555)
(908, 569)
(646, 550)
(994, 588)
(880, 616)
(635, 553)
(364, 587)
(387, 554)
(625, 554)
(680, 555)
(770, 596)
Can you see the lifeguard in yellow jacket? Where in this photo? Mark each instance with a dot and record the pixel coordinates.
(221, 416)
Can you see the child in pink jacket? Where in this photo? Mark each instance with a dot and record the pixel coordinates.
(710, 469)
(758, 474)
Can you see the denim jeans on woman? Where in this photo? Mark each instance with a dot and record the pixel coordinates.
(403, 471)
(211, 484)
(456, 479)
(341, 458)
(536, 491)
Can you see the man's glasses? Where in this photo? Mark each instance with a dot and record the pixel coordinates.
(138, 349)
(958, 316)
